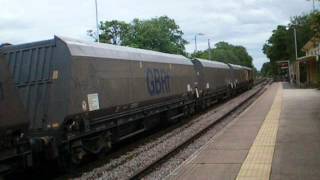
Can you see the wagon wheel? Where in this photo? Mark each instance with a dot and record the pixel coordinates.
(192, 109)
(77, 155)
(186, 111)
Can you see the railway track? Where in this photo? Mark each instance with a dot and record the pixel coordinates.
(141, 161)
(145, 170)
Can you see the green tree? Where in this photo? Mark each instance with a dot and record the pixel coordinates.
(266, 69)
(113, 32)
(315, 23)
(281, 44)
(303, 26)
(158, 34)
(277, 47)
(228, 53)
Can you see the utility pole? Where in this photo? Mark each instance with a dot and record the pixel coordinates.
(195, 41)
(209, 49)
(295, 42)
(314, 7)
(195, 44)
(97, 22)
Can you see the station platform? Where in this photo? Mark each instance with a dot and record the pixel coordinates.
(277, 137)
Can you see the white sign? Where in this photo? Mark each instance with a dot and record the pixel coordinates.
(93, 102)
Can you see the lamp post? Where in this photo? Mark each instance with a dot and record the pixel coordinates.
(295, 48)
(313, 5)
(209, 49)
(195, 41)
(295, 42)
(97, 22)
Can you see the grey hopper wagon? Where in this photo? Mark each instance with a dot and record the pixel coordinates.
(242, 77)
(216, 75)
(62, 77)
(72, 89)
(214, 80)
(80, 97)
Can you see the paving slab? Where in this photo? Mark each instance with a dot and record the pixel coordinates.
(208, 172)
(285, 135)
(224, 154)
(258, 162)
(297, 150)
(221, 156)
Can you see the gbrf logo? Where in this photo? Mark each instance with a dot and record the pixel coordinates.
(158, 81)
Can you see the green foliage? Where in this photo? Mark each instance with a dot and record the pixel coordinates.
(303, 25)
(315, 23)
(281, 44)
(225, 52)
(158, 34)
(276, 47)
(113, 32)
(266, 69)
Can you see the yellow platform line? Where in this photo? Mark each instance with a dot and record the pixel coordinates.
(259, 159)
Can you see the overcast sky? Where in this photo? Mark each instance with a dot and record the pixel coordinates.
(241, 22)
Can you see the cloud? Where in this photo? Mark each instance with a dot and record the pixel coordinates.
(242, 22)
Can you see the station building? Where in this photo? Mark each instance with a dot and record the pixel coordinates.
(306, 69)
(283, 70)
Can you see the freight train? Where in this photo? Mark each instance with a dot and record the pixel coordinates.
(64, 99)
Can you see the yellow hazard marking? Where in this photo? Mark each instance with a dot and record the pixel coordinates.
(259, 159)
